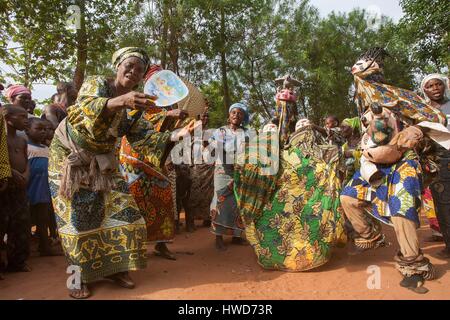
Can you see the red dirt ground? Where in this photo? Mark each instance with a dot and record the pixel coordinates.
(235, 274)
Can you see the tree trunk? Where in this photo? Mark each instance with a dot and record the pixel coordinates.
(173, 37)
(164, 33)
(26, 77)
(223, 62)
(80, 68)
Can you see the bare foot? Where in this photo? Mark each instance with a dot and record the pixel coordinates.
(220, 245)
(82, 293)
(161, 250)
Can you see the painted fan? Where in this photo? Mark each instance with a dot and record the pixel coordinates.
(167, 86)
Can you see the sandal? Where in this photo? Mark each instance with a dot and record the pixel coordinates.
(161, 250)
(82, 293)
(122, 279)
(414, 283)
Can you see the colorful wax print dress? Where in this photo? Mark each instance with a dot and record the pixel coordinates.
(102, 232)
(293, 218)
(400, 193)
(152, 191)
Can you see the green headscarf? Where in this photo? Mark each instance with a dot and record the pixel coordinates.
(354, 123)
(120, 55)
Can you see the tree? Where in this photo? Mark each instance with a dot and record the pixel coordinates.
(325, 50)
(44, 46)
(232, 49)
(427, 24)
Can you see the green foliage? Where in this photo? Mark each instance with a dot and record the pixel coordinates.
(37, 112)
(427, 25)
(217, 115)
(232, 49)
(43, 43)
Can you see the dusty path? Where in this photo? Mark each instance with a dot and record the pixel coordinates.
(235, 274)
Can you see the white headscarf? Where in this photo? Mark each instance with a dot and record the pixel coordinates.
(437, 76)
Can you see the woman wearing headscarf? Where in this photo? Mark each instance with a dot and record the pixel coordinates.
(101, 228)
(226, 141)
(435, 88)
(436, 91)
(20, 96)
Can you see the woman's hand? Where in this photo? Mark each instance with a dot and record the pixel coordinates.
(132, 100)
(178, 114)
(137, 100)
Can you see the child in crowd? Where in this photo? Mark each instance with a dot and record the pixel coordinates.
(331, 122)
(14, 214)
(333, 131)
(38, 186)
(50, 132)
(52, 218)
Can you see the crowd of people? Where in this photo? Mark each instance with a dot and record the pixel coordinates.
(93, 178)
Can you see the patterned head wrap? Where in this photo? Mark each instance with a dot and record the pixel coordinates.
(437, 76)
(243, 107)
(120, 55)
(302, 123)
(15, 90)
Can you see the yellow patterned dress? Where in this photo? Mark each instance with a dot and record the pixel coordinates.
(102, 232)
